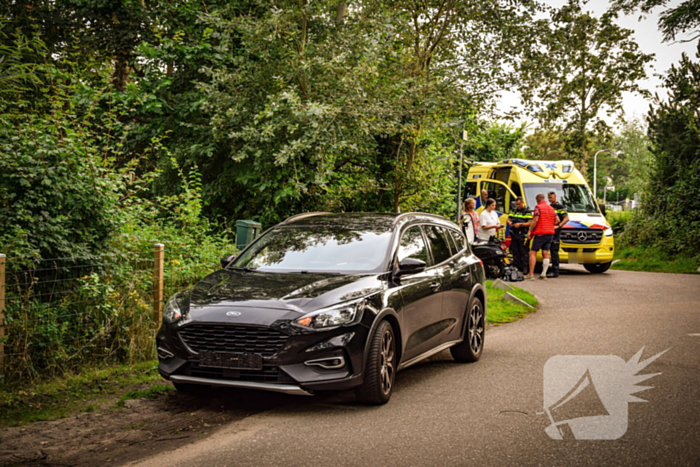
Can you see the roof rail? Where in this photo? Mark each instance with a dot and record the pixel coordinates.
(406, 214)
(302, 216)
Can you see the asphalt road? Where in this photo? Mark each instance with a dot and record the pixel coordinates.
(492, 412)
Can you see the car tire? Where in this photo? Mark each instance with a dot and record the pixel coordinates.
(380, 367)
(495, 269)
(471, 348)
(597, 268)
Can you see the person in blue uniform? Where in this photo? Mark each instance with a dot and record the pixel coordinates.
(519, 221)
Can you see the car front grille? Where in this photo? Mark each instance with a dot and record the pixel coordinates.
(580, 250)
(269, 374)
(581, 236)
(227, 338)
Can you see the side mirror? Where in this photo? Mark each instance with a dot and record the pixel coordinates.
(410, 266)
(602, 209)
(226, 260)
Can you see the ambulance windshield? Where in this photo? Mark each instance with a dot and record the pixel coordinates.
(576, 198)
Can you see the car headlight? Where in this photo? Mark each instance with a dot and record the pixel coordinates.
(609, 232)
(338, 315)
(172, 312)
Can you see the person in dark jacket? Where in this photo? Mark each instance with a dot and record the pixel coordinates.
(562, 219)
(519, 220)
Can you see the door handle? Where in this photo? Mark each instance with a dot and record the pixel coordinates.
(464, 276)
(435, 286)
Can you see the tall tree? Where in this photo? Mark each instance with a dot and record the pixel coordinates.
(683, 18)
(315, 103)
(109, 30)
(636, 160)
(115, 29)
(546, 144)
(671, 202)
(583, 66)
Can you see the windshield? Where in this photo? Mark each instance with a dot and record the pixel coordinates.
(575, 198)
(318, 249)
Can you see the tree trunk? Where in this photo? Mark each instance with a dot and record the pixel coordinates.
(340, 13)
(121, 70)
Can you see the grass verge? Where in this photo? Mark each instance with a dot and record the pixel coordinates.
(653, 260)
(78, 392)
(501, 311)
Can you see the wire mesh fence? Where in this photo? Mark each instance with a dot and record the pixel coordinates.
(59, 313)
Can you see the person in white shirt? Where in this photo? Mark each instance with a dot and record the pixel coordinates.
(489, 223)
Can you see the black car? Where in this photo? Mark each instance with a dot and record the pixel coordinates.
(326, 302)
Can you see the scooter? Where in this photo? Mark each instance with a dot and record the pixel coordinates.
(492, 253)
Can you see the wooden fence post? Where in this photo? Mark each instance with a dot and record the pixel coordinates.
(158, 285)
(2, 316)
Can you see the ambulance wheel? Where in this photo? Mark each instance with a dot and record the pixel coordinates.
(597, 268)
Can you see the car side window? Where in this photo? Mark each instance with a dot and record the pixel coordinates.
(459, 239)
(412, 245)
(450, 241)
(438, 244)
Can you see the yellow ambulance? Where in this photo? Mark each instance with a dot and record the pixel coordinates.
(586, 239)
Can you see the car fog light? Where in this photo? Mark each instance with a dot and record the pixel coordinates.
(330, 363)
(164, 354)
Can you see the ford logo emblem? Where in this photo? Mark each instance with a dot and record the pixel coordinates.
(233, 313)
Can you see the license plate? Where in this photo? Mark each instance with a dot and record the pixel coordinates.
(234, 361)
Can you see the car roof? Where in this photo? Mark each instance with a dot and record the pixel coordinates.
(359, 220)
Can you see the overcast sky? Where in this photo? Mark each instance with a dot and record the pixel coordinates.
(649, 39)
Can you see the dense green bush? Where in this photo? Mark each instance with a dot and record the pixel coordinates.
(79, 227)
(618, 220)
(65, 313)
(670, 214)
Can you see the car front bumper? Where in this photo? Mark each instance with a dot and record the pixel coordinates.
(572, 253)
(309, 361)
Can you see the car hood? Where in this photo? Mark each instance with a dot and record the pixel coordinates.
(289, 292)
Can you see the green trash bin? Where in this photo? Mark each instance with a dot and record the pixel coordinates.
(246, 232)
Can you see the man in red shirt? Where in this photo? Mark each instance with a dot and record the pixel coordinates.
(542, 230)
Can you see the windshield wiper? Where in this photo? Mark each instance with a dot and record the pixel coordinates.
(321, 272)
(236, 268)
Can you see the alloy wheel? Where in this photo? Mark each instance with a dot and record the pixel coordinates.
(476, 328)
(386, 361)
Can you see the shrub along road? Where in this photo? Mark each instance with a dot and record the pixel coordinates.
(441, 412)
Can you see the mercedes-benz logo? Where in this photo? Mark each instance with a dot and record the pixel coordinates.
(582, 236)
(233, 313)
